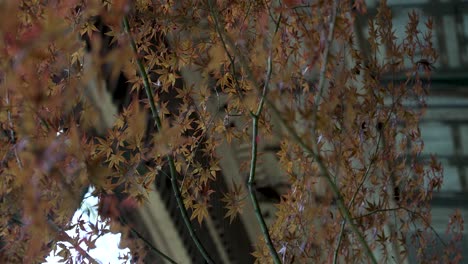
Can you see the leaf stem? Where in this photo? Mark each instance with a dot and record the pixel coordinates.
(172, 169)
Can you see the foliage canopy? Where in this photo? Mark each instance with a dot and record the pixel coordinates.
(282, 69)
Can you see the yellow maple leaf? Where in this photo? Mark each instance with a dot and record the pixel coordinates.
(235, 201)
(200, 211)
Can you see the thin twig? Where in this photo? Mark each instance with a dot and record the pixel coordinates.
(228, 43)
(340, 238)
(351, 202)
(326, 53)
(11, 129)
(378, 211)
(147, 242)
(339, 199)
(366, 174)
(253, 162)
(342, 207)
(172, 169)
(373, 158)
(65, 237)
(221, 34)
(409, 211)
(427, 223)
(153, 248)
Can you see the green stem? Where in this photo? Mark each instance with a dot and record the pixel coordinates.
(340, 238)
(226, 41)
(253, 165)
(253, 196)
(170, 160)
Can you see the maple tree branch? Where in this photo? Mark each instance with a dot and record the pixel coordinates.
(148, 243)
(172, 169)
(427, 223)
(65, 237)
(343, 209)
(12, 131)
(253, 196)
(221, 37)
(378, 211)
(253, 162)
(255, 118)
(351, 202)
(153, 248)
(340, 238)
(144, 76)
(229, 43)
(253, 165)
(326, 52)
(409, 211)
(339, 199)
